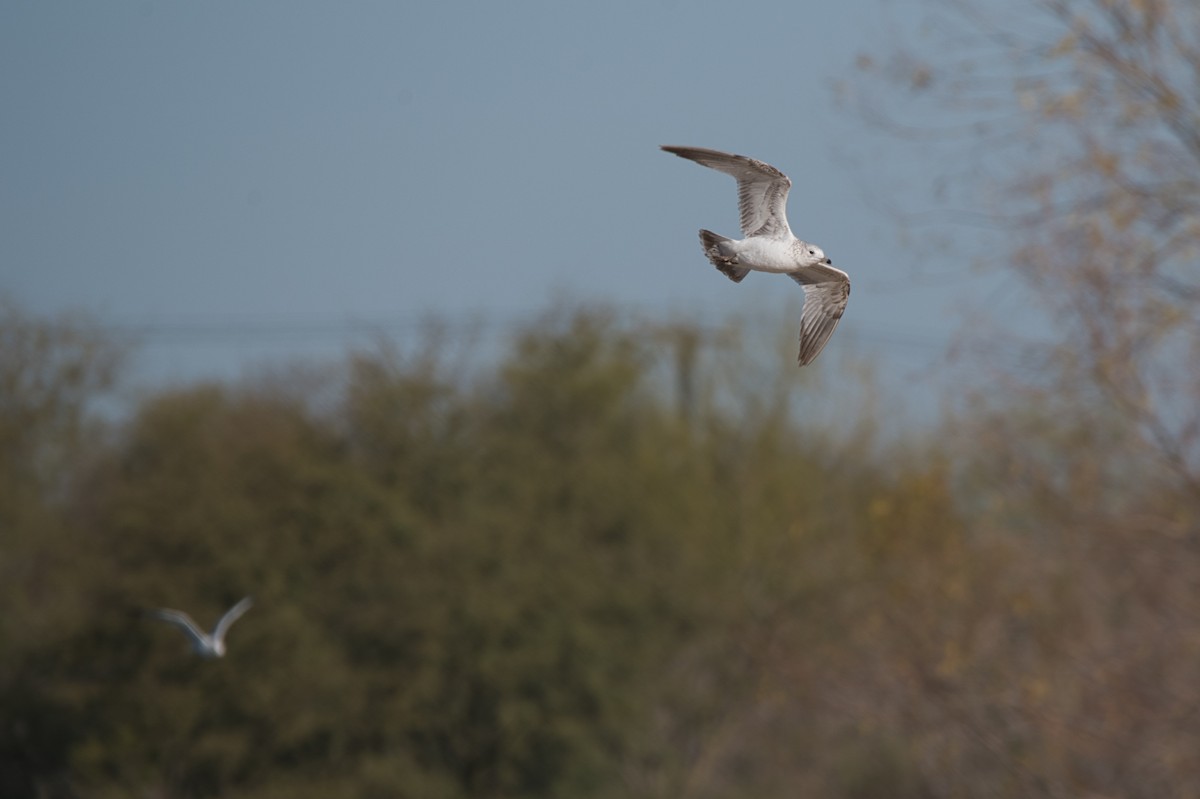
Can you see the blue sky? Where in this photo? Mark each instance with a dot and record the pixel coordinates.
(295, 165)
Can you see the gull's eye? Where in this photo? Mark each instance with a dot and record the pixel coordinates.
(812, 252)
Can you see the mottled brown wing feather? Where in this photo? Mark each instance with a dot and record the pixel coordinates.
(826, 292)
(762, 189)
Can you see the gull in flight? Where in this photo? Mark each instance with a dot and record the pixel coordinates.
(205, 645)
(770, 246)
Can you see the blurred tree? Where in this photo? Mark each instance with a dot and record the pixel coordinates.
(1073, 128)
(51, 374)
(463, 588)
(536, 581)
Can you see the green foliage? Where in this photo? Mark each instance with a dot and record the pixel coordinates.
(542, 580)
(460, 589)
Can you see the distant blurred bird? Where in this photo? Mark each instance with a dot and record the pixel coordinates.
(205, 645)
(770, 246)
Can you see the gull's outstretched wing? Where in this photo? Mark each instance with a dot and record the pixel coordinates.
(826, 292)
(231, 615)
(762, 189)
(183, 622)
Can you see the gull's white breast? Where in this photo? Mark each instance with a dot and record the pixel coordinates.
(765, 254)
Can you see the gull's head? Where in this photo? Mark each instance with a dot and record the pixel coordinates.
(208, 649)
(811, 255)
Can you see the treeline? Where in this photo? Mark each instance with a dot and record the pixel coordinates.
(543, 578)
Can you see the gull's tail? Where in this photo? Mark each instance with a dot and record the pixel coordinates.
(711, 243)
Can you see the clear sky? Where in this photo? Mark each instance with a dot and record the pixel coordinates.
(289, 166)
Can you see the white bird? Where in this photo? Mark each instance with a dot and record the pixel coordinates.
(205, 645)
(770, 246)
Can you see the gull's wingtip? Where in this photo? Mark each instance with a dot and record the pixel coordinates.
(243, 605)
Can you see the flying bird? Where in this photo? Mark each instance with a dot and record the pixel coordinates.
(770, 246)
(205, 645)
